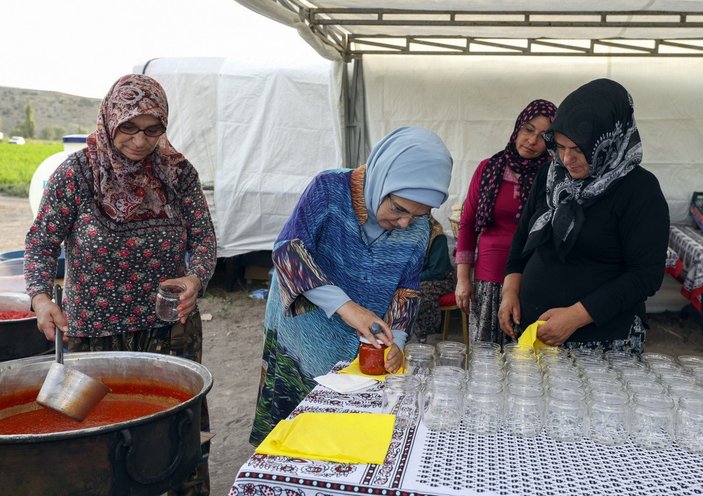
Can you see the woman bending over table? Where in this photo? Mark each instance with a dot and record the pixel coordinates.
(349, 257)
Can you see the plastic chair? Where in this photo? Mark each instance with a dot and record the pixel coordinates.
(447, 304)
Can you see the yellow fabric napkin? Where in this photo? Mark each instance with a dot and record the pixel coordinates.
(353, 368)
(335, 437)
(528, 339)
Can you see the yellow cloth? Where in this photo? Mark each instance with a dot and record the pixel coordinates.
(528, 339)
(353, 368)
(335, 437)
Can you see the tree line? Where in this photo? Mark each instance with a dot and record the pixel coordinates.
(27, 127)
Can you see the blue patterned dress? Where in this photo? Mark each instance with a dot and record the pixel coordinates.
(324, 243)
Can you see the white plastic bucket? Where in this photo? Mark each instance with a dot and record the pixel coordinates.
(71, 143)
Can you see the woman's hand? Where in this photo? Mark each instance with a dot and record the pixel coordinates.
(189, 297)
(49, 316)
(394, 359)
(361, 319)
(561, 323)
(464, 291)
(509, 310)
(509, 313)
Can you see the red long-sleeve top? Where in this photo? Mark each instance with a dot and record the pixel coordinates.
(490, 258)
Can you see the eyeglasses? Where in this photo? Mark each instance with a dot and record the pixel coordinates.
(531, 130)
(132, 129)
(401, 212)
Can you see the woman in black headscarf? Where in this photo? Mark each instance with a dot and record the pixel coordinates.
(591, 244)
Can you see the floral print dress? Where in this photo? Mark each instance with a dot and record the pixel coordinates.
(113, 269)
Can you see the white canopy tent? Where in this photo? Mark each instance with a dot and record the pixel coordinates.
(343, 29)
(413, 76)
(256, 134)
(512, 56)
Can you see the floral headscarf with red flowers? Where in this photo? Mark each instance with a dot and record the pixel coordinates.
(126, 189)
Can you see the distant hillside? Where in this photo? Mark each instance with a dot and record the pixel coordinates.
(52, 110)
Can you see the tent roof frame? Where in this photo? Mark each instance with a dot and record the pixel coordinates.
(353, 32)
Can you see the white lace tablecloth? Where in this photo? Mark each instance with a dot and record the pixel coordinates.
(686, 247)
(458, 463)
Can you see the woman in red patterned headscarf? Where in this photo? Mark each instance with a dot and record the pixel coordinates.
(498, 190)
(130, 211)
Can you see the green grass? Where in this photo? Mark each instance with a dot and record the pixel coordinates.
(18, 163)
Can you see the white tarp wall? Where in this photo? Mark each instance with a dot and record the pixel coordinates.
(257, 134)
(472, 103)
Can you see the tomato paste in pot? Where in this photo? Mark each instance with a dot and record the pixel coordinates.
(11, 315)
(120, 457)
(126, 401)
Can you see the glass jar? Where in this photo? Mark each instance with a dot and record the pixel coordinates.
(371, 359)
(453, 358)
(565, 414)
(419, 360)
(689, 362)
(524, 408)
(608, 417)
(168, 298)
(401, 397)
(689, 424)
(483, 407)
(443, 403)
(649, 357)
(651, 421)
(449, 346)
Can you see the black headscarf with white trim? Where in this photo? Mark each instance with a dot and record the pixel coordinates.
(599, 118)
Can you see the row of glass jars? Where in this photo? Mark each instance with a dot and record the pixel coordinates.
(567, 395)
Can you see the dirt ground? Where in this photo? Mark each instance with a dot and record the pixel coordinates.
(233, 342)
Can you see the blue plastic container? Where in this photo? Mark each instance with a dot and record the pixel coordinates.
(60, 266)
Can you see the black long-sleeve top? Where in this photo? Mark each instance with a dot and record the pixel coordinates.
(616, 263)
(437, 261)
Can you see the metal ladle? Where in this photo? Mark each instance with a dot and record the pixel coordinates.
(69, 391)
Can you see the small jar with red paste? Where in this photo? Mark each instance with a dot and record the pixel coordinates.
(371, 359)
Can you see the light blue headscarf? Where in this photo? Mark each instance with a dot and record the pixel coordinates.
(412, 163)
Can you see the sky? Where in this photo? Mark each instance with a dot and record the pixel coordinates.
(81, 47)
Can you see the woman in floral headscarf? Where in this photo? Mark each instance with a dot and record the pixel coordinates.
(128, 208)
(591, 245)
(492, 209)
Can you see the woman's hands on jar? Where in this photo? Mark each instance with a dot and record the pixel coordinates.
(464, 291)
(560, 323)
(394, 359)
(362, 319)
(49, 316)
(509, 310)
(189, 297)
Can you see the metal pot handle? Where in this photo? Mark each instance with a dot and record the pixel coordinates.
(130, 464)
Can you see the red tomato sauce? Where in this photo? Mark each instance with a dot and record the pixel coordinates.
(15, 315)
(371, 360)
(127, 401)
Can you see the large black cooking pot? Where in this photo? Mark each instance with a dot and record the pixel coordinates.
(20, 338)
(144, 456)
